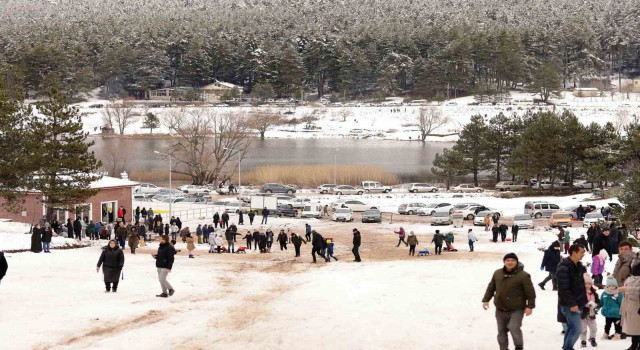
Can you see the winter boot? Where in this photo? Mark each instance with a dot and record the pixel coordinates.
(171, 291)
(606, 336)
(616, 336)
(541, 286)
(593, 342)
(583, 344)
(107, 291)
(114, 289)
(162, 295)
(191, 256)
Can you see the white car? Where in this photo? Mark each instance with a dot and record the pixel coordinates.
(422, 187)
(469, 212)
(297, 203)
(432, 208)
(593, 217)
(342, 214)
(467, 188)
(352, 204)
(146, 188)
(523, 221)
(410, 208)
(585, 184)
(326, 188)
(510, 186)
(441, 218)
(194, 189)
(478, 220)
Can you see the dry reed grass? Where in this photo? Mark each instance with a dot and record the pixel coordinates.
(314, 175)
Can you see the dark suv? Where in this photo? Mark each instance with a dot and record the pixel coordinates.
(277, 188)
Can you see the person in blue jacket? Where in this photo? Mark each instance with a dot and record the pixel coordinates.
(550, 262)
(611, 300)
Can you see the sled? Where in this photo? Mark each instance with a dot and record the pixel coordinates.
(449, 249)
(241, 250)
(424, 253)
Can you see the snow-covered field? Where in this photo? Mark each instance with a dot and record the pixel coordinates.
(396, 122)
(276, 301)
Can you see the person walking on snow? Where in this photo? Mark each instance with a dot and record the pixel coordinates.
(401, 235)
(251, 215)
(164, 263)
(486, 221)
(330, 250)
(438, 238)
(630, 317)
(216, 219)
(514, 297)
(265, 216)
(589, 312)
(472, 239)
(412, 240)
(133, 239)
(190, 245)
(611, 300)
(248, 237)
(514, 233)
(112, 262)
(317, 245)
(297, 242)
(357, 240)
(550, 262)
(307, 232)
(282, 239)
(567, 241)
(597, 268)
(572, 293)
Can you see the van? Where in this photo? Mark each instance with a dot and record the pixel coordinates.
(542, 209)
(374, 186)
(312, 210)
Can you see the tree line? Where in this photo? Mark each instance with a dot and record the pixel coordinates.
(284, 48)
(540, 145)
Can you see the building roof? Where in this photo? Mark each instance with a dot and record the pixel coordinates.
(109, 182)
(221, 85)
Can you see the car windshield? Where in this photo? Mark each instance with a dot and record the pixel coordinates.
(343, 210)
(441, 214)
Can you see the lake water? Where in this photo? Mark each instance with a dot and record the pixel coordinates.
(409, 160)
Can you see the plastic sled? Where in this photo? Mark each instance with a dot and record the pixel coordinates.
(449, 249)
(241, 250)
(424, 253)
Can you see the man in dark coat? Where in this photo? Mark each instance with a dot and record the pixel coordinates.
(592, 232)
(514, 297)
(514, 232)
(256, 239)
(36, 239)
(571, 293)
(121, 234)
(77, 228)
(282, 239)
(503, 232)
(307, 231)
(494, 231)
(240, 218)
(179, 223)
(164, 264)
(356, 245)
(229, 235)
(225, 220)
(614, 239)
(550, 262)
(600, 242)
(47, 233)
(317, 244)
(297, 242)
(251, 215)
(3, 266)
(265, 215)
(438, 238)
(112, 262)
(216, 220)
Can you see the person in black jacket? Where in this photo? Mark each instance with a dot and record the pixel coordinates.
(77, 228)
(265, 215)
(249, 238)
(297, 242)
(112, 262)
(550, 262)
(592, 232)
(240, 218)
(572, 294)
(251, 215)
(600, 242)
(282, 239)
(356, 245)
(503, 232)
(164, 264)
(438, 238)
(3, 266)
(216, 220)
(47, 233)
(256, 239)
(514, 232)
(225, 220)
(36, 239)
(494, 232)
(317, 244)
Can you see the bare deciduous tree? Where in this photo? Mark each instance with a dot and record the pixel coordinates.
(428, 119)
(345, 113)
(119, 115)
(264, 119)
(623, 118)
(114, 161)
(205, 141)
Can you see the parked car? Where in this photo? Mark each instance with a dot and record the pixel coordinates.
(422, 187)
(197, 199)
(312, 210)
(297, 203)
(343, 214)
(432, 208)
(584, 184)
(478, 219)
(236, 206)
(286, 210)
(326, 188)
(277, 188)
(374, 186)
(523, 221)
(560, 219)
(410, 208)
(467, 188)
(593, 217)
(194, 189)
(546, 185)
(540, 210)
(441, 218)
(510, 186)
(573, 208)
(352, 204)
(346, 189)
(146, 188)
(142, 197)
(469, 212)
(372, 215)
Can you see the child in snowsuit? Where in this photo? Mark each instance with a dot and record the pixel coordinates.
(218, 242)
(567, 241)
(589, 312)
(597, 267)
(611, 303)
(330, 249)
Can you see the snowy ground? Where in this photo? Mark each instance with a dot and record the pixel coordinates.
(276, 301)
(380, 122)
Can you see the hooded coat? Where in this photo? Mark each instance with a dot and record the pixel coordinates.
(551, 258)
(571, 289)
(112, 262)
(630, 306)
(511, 291)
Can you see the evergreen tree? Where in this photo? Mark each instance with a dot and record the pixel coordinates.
(151, 121)
(449, 164)
(472, 145)
(501, 140)
(65, 165)
(546, 81)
